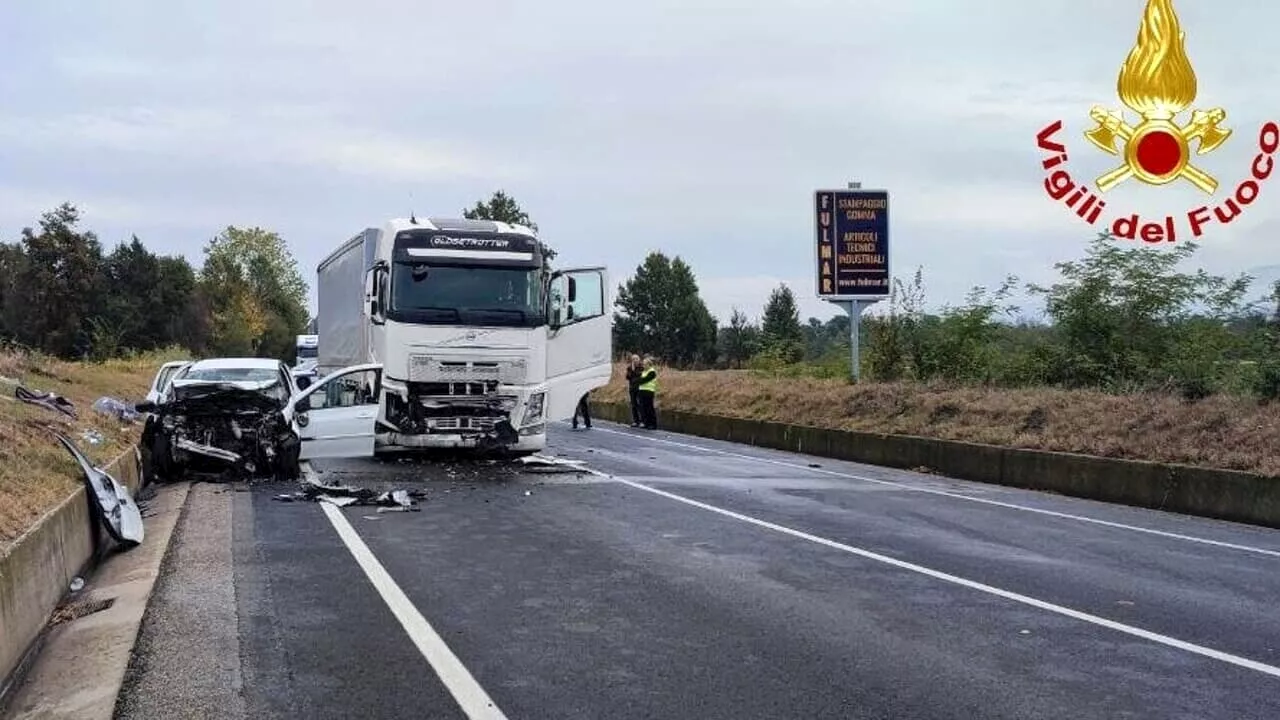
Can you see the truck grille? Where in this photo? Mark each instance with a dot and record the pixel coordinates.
(429, 369)
(463, 423)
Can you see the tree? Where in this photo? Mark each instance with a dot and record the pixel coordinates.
(660, 312)
(1121, 315)
(501, 207)
(177, 315)
(56, 289)
(257, 295)
(13, 262)
(780, 330)
(739, 340)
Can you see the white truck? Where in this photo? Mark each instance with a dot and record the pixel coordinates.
(474, 341)
(307, 354)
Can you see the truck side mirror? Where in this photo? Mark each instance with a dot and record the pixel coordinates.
(573, 289)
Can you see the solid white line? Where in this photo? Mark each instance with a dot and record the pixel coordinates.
(946, 577)
(958, 496)
(472, 698)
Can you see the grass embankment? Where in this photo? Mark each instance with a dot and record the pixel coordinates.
(36, 472)
(1219, 432)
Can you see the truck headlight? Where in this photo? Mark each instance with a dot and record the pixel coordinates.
(533, 409)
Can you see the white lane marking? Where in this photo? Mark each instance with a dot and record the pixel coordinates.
(955, 579)
(958, 496)
(472, 698)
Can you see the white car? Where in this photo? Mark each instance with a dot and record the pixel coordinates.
(222, 417)
(271, 378)
(238, 418)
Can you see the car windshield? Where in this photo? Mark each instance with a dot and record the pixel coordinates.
(232, 374)
(454, 294)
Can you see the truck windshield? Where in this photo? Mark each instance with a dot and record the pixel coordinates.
(467, 295)
(305, 352)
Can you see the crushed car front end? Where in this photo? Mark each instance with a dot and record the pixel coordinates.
(221, 431)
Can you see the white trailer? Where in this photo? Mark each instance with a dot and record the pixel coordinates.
(476, 343)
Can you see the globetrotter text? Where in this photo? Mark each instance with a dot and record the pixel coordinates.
(1060, 186)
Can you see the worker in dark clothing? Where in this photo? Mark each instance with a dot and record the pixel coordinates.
(633, 392)
(584, 410)
(647, 391)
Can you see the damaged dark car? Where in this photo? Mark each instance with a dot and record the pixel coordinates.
(223, 420)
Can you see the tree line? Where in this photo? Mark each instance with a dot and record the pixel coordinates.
(1122, 318)
(64, 294)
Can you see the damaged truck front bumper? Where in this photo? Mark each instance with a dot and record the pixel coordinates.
(219, 432)
(462, 415)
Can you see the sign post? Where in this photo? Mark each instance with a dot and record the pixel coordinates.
(852, 254)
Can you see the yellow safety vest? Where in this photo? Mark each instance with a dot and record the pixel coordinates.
(652, 385)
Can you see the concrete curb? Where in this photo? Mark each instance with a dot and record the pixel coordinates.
(1222, 494)
(38, 567)
(82, 665)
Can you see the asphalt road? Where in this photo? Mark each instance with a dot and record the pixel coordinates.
(685, 578)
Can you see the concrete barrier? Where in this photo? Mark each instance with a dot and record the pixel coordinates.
(37, 569)
(1223, 494)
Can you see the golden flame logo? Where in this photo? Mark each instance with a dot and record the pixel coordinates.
(1158, 82)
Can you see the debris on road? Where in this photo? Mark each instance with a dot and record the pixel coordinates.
(118, 409)
(120, 515)
(347, 495)
(548, 463)
(48, 400)
(77, 584)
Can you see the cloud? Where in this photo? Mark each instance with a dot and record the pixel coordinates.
(302, 137)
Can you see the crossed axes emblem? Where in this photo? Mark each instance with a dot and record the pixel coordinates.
(1203, 126)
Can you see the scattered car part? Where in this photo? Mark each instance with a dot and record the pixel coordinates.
(547, 463)
(118, 409)
(47, 400)
(120, 515)
(346, 495)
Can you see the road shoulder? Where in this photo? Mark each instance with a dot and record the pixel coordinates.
(188, 652)
(81, 669)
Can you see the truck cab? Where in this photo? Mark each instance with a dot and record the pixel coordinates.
(476, 341)
(307, 354)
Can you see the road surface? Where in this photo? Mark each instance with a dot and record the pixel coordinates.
(687, 578)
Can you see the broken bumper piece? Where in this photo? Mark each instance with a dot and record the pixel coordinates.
(346, 495)
(114, 505)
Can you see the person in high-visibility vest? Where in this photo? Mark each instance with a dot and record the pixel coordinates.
(633, 394)
(646, 392)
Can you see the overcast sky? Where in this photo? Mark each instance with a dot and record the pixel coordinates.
(693, 127)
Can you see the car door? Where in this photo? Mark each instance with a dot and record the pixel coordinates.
(336, 416)
(579, 338)
(161, 381)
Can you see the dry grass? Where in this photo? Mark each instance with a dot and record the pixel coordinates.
(36, 472)
(1219, 432)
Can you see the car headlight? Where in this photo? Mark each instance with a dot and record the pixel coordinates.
(533, 409)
